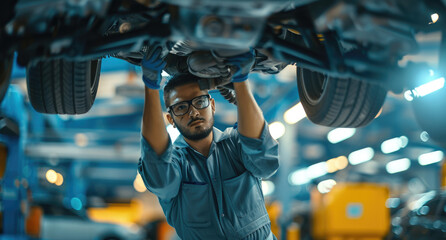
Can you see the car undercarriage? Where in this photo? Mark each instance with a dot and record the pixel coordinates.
(347, 53)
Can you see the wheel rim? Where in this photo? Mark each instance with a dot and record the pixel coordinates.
(313, 86)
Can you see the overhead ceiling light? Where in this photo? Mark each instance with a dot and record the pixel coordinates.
(317, 170)
(435, 17)
(391, 145)
(340, 134)
(404, 141)
(393, 202)
(361, 156)
(81, 139)
(422, 200)
(59, 180)
(424, 136)
(336, 164)
(341, 162)
(305, 175)
(399, 165)
(51, 176)
(429, 158)
(331, 165)
(394, 144)
(431, 72)
(276, 129)
(408, 95)
(294, 114)
(267, 187)
(299, 177)
(326, 185)
(425, 89)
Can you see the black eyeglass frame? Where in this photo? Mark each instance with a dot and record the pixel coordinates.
(189, 103)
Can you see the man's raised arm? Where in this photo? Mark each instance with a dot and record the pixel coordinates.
(250, 117)
(160, 172)
(259, 150)
(153, 126)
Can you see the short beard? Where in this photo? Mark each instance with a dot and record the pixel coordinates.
(194, 136)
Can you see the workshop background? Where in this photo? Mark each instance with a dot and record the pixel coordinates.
(75, 177)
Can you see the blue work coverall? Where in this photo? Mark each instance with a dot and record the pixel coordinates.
(217, 196)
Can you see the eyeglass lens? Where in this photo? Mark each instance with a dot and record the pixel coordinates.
(199, 102)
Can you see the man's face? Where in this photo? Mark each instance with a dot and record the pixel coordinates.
(196, 124)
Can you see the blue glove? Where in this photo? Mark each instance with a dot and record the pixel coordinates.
(243, 64)
(152, 64)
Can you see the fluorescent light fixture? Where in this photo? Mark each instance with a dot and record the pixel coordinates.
(408, 95)
(340, 134)
(336, 164)
(294, 114)
(331, 165)
(391, 145)
(425, 89)
(404, 141)
(431, 72)
(393, 202)
(424, 136)
(429, 158)
(276, 129)
(394, 144)
(421, 201)
(81, 139)
(59, 180)
(173, 132)
(305, 175)
(317, 170)
(326, 185)
(299, 177)
(267, 187)
(361, 156)
(399, 165)
(429, 87)
(435, 17)
(51, 176)
(341, 162)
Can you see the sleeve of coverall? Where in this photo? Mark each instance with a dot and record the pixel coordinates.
(161, 174)
(260, 156)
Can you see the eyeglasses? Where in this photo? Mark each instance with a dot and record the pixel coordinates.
(181, 108)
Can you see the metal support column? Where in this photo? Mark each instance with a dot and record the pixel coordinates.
(287, 148)
(13, 129)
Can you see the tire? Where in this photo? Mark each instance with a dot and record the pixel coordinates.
(63, 87)
(5, 75)
(337, 102)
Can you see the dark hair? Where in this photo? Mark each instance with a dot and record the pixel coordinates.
(178, 79)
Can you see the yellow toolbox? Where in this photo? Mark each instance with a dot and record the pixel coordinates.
(351, 211)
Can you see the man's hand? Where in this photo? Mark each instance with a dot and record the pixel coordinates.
(243, 63)
(152, 65)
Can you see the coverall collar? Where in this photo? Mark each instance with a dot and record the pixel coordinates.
(218, 136)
